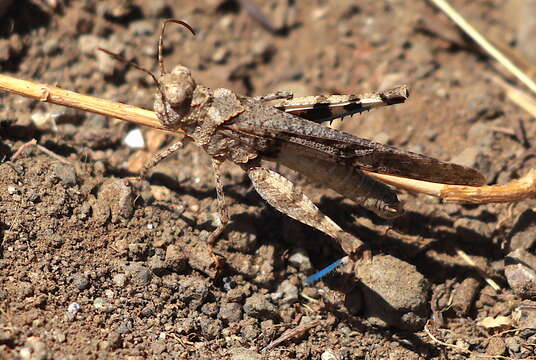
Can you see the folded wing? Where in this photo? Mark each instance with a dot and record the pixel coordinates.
(280, 132)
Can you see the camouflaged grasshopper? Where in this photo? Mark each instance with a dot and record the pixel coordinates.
(245, 131)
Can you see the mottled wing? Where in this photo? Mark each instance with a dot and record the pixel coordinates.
(330, 107)
(274, 133)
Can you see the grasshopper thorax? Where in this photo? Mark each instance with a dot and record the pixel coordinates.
(173, 103)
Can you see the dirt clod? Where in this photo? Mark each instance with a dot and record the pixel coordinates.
(258, 306)
(520, 272)
(403, 305)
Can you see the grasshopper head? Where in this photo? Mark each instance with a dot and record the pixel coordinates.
(173, 100)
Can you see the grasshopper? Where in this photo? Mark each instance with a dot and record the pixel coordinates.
(246, 130)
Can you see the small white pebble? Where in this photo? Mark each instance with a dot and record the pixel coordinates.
(134, 139)
(25, 353)
(39, 119)
(11, 190)
(109, 293)
(73, 308)
(102, 305)
(150, 226)
(328, 355)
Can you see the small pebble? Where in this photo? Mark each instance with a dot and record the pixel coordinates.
(51, 47)
(230, 312)
(176, 259)
(210, 328)
(467, 157)
(186, 325)
(148, 310)
(513, 343)
(496, 346)
(81, 282)
(104, 345)
(25, 290)
(520, 271)
(244, 240)
(158, 347)
(390, 302)
(300, 260)
(60, 337)
(109, 293)
(245, 354)
(525, 315)
(142, 27)
(258, 306)
(64, 172)
(210, 309)
(40, 119)
(193, 291)
(289, 292)
(158, 266)
(250, 330)
(522, 234)
(34, 349)
(156, 8)
(118, 197)
(134, 139)
(139, 273)
(464, 296)
(72, 310)
(329, 355)
(102, 305)
(114, 339)
(125, 327)
(119, 280)
(88, 44)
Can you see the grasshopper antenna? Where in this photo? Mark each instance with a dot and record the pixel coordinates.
(161, 41)
(131, 63)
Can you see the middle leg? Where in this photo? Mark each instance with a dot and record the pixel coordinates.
(222, 206)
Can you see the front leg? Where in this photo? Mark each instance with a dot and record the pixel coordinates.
(283, 195)
(154, 160)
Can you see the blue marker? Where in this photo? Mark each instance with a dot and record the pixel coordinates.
(317, 276)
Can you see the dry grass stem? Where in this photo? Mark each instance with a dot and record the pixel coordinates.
(514, 191)
(484, 43)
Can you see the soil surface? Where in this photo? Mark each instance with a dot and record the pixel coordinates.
(94, 268)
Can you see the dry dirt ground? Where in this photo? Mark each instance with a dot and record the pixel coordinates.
(93, 268)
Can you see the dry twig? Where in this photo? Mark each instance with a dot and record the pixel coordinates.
(480, 271)
(33, 142)
(467, 351)
(291, 334)
(519, 97)
(482, 41)
(516, 190)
